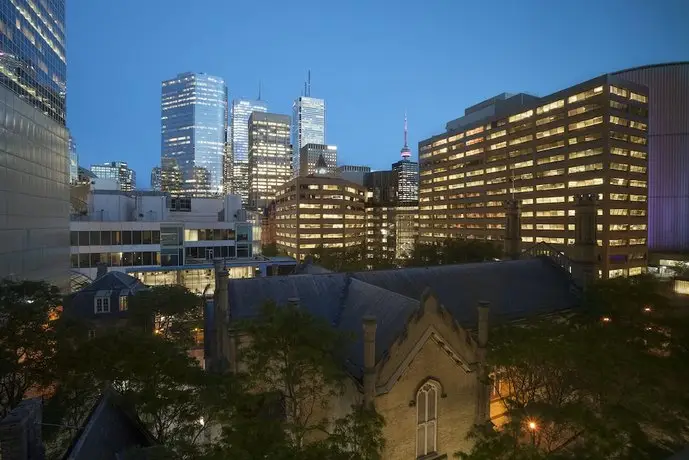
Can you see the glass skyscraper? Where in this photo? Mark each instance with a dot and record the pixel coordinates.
(117, 171)
(406, 177)
(308, 125)
(239, 143)
(194, 131)
(73, 161)
(270, 162)
(32, 53)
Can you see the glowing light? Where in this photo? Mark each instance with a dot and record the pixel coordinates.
(606, 319)
(647, 309)
(533, 426)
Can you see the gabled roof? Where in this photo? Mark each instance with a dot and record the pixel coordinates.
(111, 428)
(515, 289)
(112, 285)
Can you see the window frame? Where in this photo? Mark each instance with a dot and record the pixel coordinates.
(424, 391)
(101, 307)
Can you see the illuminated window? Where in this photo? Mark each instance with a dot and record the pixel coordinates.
(550, 227)
(549, 240)
(619, 166)
(619, 196)
(474, 183)
(618, 242)
(618, 181)
(616, 273)
(474, 152)
(637, 241)
(637, 183)
(585, 183)
(585, 94)
(499, 145)
(585, 123)
(520, 152)
(551, 213)
(637, 212)
(637, 97)
(496, 134)
(619, 151)
(550, 186)
(550, 173)
(638, 140)
(477, 130)
(585, 168)
(637, 227)
(618, 227)
(527, 239)
(639, 198)
(618, 120)
(583, 109)
(551, 106)
(456, 137)
(638, 125)
(426, 419)
(619, 91)
(527, 226)
(637, 169)
(550, 146)
(589, 137)
(522, 164)
(495, 169)
(521, 140)
(635, 271)
(549, 119)
(551, 159)
(440, 142)
(550, 199)
(124, 303)
(550, 132)
(477, 172)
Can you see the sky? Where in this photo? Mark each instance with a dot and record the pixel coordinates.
(369, 59)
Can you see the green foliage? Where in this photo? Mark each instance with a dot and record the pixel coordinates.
(340, 260)
(270, 250)
(28, 339)
(453, 251)
(601, 383)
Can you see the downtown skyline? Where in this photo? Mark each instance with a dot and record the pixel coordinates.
(365, 91)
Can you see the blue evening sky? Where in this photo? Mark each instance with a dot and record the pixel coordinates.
(369, 59)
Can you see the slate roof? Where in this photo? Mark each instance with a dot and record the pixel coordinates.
(113, 285)
(110, 429)
(515, 289)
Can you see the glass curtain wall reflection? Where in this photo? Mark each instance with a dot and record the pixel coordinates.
(239, 140)
(308, 125)
(194, 131)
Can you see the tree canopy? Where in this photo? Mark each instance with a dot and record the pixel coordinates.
(453, 251)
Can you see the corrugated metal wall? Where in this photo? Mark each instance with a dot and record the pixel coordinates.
(668, 158)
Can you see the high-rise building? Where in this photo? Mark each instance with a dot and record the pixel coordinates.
(308, 123)
(316, 210)
(406, 174)
(194, 131)
(391, 230)
(35, 195)
(239, 143)
(156, 178)
(117, 171)
(33, 61)
(668, 157)
(381, 187)
(73, 161)
(270, 156)
(588, 139)
(353, 173)
(309, 155)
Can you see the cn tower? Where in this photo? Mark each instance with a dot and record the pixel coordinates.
(406, 151)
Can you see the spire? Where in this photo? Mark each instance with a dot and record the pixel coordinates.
(308, 90)
(406, 151)
(259, 90)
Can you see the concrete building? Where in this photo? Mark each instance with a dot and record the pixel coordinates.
(353, 173)
(117, 171)
(166, 240)
(391, 231)
(313, 211)
(380, 186)
(591, 138)
(668, 159)
(270, 156)
(34, 153)
(309, 155)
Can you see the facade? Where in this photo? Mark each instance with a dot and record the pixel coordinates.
(270, 156)
(117, 171)
(33, 63)
(391, 231)
(194, 131)
(309, 155)
(34, 155)
(313, 211)
(73, 162)
(380, 187)
(406, 177)
(353, 173)
(156, 179)
(239, 144)
(149, 234)
(591, 138)
(668, 155)
(308, 125)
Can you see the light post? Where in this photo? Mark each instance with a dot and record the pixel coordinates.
(532, 428)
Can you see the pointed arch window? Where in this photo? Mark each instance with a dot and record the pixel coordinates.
(426, 419)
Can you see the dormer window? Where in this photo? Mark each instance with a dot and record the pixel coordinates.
(101, 304)
(124, 303)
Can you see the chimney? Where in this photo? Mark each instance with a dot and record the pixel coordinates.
(482, 412)
(369, 325)
(585, 239)
(101, 269)
(20, 432)
(512, 229)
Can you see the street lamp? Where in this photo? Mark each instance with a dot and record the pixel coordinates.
(532, 428)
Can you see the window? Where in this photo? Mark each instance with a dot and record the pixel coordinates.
(637, 97)
(585, 168)
(585, 95)
(124, 303)
(101, 305)
(550, 132)
(426, 419)
(585, 153)
(551, 106)
(520, 116)
(585, 123)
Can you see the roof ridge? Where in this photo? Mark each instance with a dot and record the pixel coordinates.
(343, 299)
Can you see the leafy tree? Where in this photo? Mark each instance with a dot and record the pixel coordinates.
(28, 339)
(270, 250)
(350, 259)
(599, 383)
(453, 251)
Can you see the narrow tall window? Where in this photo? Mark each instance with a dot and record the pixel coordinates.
(426, 419)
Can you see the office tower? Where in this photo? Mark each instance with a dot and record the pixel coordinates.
(117, 171)
(668, 158)
(309, 155)
(587, 139)
(391, 230)
(239, 143)
(329, 214)
(170, 177)
(73, 161)
(353, 173)
(35, 195)
(380, 186)
(156, 178)
(308, 122)
(270, 156)
(194, 130)
(406, 174)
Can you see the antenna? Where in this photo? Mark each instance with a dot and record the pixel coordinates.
(259, 90)
(308, 93)
(405, 128)
(304, 88)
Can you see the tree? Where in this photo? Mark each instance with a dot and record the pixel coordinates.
(270, 250)
(28, 339)
(596, 383)
(350, 259)
(453, 251)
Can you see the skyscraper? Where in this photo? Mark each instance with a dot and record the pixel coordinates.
(239, 143)
(117, 171)
(34, 233)
(309, 155)
(308, 122)
(406, 174)
(270, 162)
(73, 161)
(194, 130)
(33, 61)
